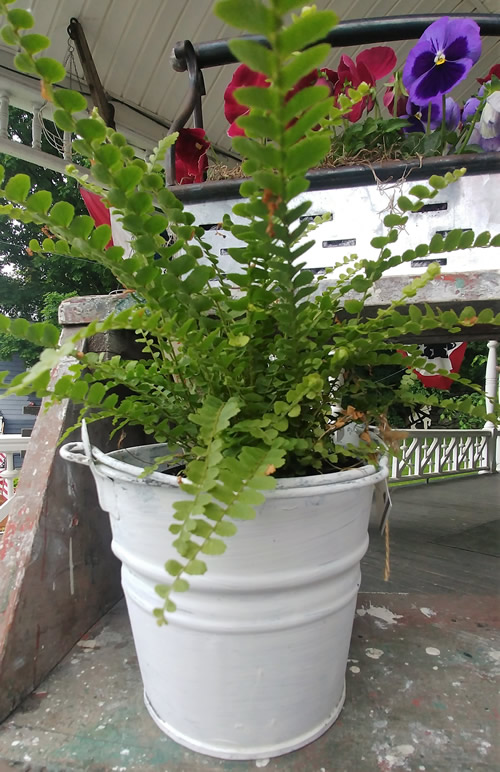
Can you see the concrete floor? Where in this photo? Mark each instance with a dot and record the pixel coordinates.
(422, 681)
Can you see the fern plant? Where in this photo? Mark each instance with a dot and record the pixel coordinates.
(253, 373)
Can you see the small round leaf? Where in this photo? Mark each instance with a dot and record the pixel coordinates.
(69, 100)
(49, 69)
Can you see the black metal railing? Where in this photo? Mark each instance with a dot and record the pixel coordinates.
(195, 58)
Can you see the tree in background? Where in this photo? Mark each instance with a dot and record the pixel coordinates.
(33, 285)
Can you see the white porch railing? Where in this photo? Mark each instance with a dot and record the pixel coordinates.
(427, 453)
(10, 445)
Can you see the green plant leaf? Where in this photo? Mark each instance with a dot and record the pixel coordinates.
(34, 43)
(255, 96)
(18, 187)
(129, 177)
(82, 226)
(353, 306)
(198, 278)
(63, 120)
(466, 239)
(101, 236)
(196, 567)
(69, 100)
(96, 394)
(8, 35)
(254, 55)
(391, 220)
(437, 182)
(91, 130)
(180, 585)
(20, 19)
(483, 239)
(238, 341)
(62, 213)
(40, 201)
(306, 153)
(303, 63)
(225, 529)
(251, 15)
(420, 191)
(49, 69)
(24, 63)
(452, 240)
(306, 30)
(213, 547)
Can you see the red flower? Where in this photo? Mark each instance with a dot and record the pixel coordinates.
(495, 70)
(388, 98)
(191, 156)
(323, 77)
(243, 76)
(371, 65)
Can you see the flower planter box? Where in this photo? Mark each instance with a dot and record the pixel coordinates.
(355, 201)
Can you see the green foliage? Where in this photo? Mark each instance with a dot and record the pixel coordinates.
(26, 273)
(250, 384)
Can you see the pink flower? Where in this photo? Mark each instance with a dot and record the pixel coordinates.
(243, 76)
(191, 156)
(371, 65)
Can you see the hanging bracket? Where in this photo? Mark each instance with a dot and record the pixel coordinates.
(97, 93)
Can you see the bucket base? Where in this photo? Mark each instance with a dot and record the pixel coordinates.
(244, 754)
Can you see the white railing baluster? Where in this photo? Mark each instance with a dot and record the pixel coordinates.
(427, 453)
(10, 445)
(36, 128)
(67, 146)
(4, 115)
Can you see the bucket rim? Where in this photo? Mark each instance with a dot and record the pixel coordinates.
(110, 465)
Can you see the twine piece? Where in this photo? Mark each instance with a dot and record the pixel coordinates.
(387, 566)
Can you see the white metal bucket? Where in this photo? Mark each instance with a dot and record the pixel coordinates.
(252, 663)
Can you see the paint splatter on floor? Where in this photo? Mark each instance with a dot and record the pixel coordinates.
(428, 612)
(383, 616)
(433, 652)
(374, 653)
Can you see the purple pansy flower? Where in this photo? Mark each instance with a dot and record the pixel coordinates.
(470, 108)
(442, 58)
(418, 116)
(452, 114)
(487, 132)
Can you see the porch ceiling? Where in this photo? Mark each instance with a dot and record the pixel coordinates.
(131, 43)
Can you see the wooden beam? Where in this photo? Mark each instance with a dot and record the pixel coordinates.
(455, 291)
(97, 93)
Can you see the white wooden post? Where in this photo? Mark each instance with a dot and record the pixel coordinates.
(36, 129)
(4, 115)
(491, 389)
(67, 146)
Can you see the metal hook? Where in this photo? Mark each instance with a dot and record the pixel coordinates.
(192, 106)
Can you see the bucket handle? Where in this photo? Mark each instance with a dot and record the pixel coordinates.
(79, 452)
(74, 452)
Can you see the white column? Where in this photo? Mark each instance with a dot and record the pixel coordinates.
(36, 128)
(491, 380)
(491, 389)
(9, 473)
(67, 146)
(4, 115)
